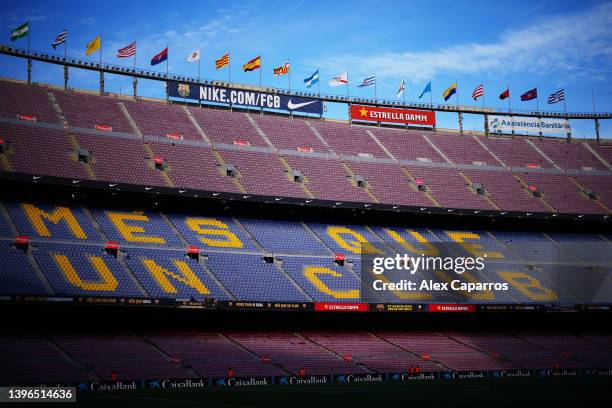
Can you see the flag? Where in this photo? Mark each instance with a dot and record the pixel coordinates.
(93, 46)
(341, 79)
(557, 97)
(60, 39)
(20, 31)
(505, 94)
(427, 89)
(221, 62)
(311, 80)
(128, 51)
(282, 70)
(450, 91)
(478, 92)
(194, 56)
(402, 87)
(161, 57)
(252, 65)
(529, 95)
(369, 81)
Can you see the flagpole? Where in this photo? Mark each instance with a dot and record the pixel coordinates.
(229, 66)
(404, 92)
(101, 71)
(65, 61)
(134, 80)
(167, 71)
(593, 97)
(29, 34)
(483, 95)
(375, 94)
(319, 85)
(457, 91)
(509, 98)
(347, 85)
(260, 69)
(289, 69)
(199, 59)
(430, 94)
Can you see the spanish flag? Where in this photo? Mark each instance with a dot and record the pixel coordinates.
(223, 61)
(93, 46)
(252, 65)
(450, 91)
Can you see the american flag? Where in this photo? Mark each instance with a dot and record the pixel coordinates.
(128, 51)
(368, 81)
(478, 92)
(557, 96)
(61, 38)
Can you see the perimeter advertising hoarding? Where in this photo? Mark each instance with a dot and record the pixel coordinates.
(393, 115)
(218, 94)
(499, 124)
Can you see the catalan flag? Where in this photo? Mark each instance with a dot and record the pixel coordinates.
(223, 61)
(252, 65)
(93, 46)
(450, 91)
(282, 70)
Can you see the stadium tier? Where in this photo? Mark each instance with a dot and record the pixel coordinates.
(66, 253)
(77, 135)
(155, 355)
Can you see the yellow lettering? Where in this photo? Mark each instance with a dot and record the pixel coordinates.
(355, 245)
(185, 275)
(36, 216)
(226, 238)
(429, 249)
(108, 284)
(128, 231)
(311, 273)
(475, 249)
(528, 286)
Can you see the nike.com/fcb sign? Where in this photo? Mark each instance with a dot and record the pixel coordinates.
(393, 115)
(246, 98)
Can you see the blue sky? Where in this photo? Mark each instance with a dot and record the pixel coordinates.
(523, 44)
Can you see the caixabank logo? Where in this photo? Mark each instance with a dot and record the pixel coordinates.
(242, 381)
(310, 379)
(358, 378)
(177, 384)
(110, 386)
(410, 377)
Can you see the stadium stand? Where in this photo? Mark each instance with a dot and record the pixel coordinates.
(263, 173)
(515, 152)
(377, 164)
(89, 111)
(407, 145)
(27, 153)
(349, 140)
(226, 127)
(167, 354)
(292, 135)
(124, 160)
(154, 119)
(287, 260)
(328, 179)
(31, 101)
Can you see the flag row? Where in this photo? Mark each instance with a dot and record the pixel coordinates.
(255, 64)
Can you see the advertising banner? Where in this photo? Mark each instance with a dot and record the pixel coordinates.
(211, 93)
(393, 115)
(502, 124)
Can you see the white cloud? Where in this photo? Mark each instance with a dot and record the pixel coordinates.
(567, 44)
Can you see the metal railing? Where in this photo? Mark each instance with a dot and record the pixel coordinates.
(162, 76)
